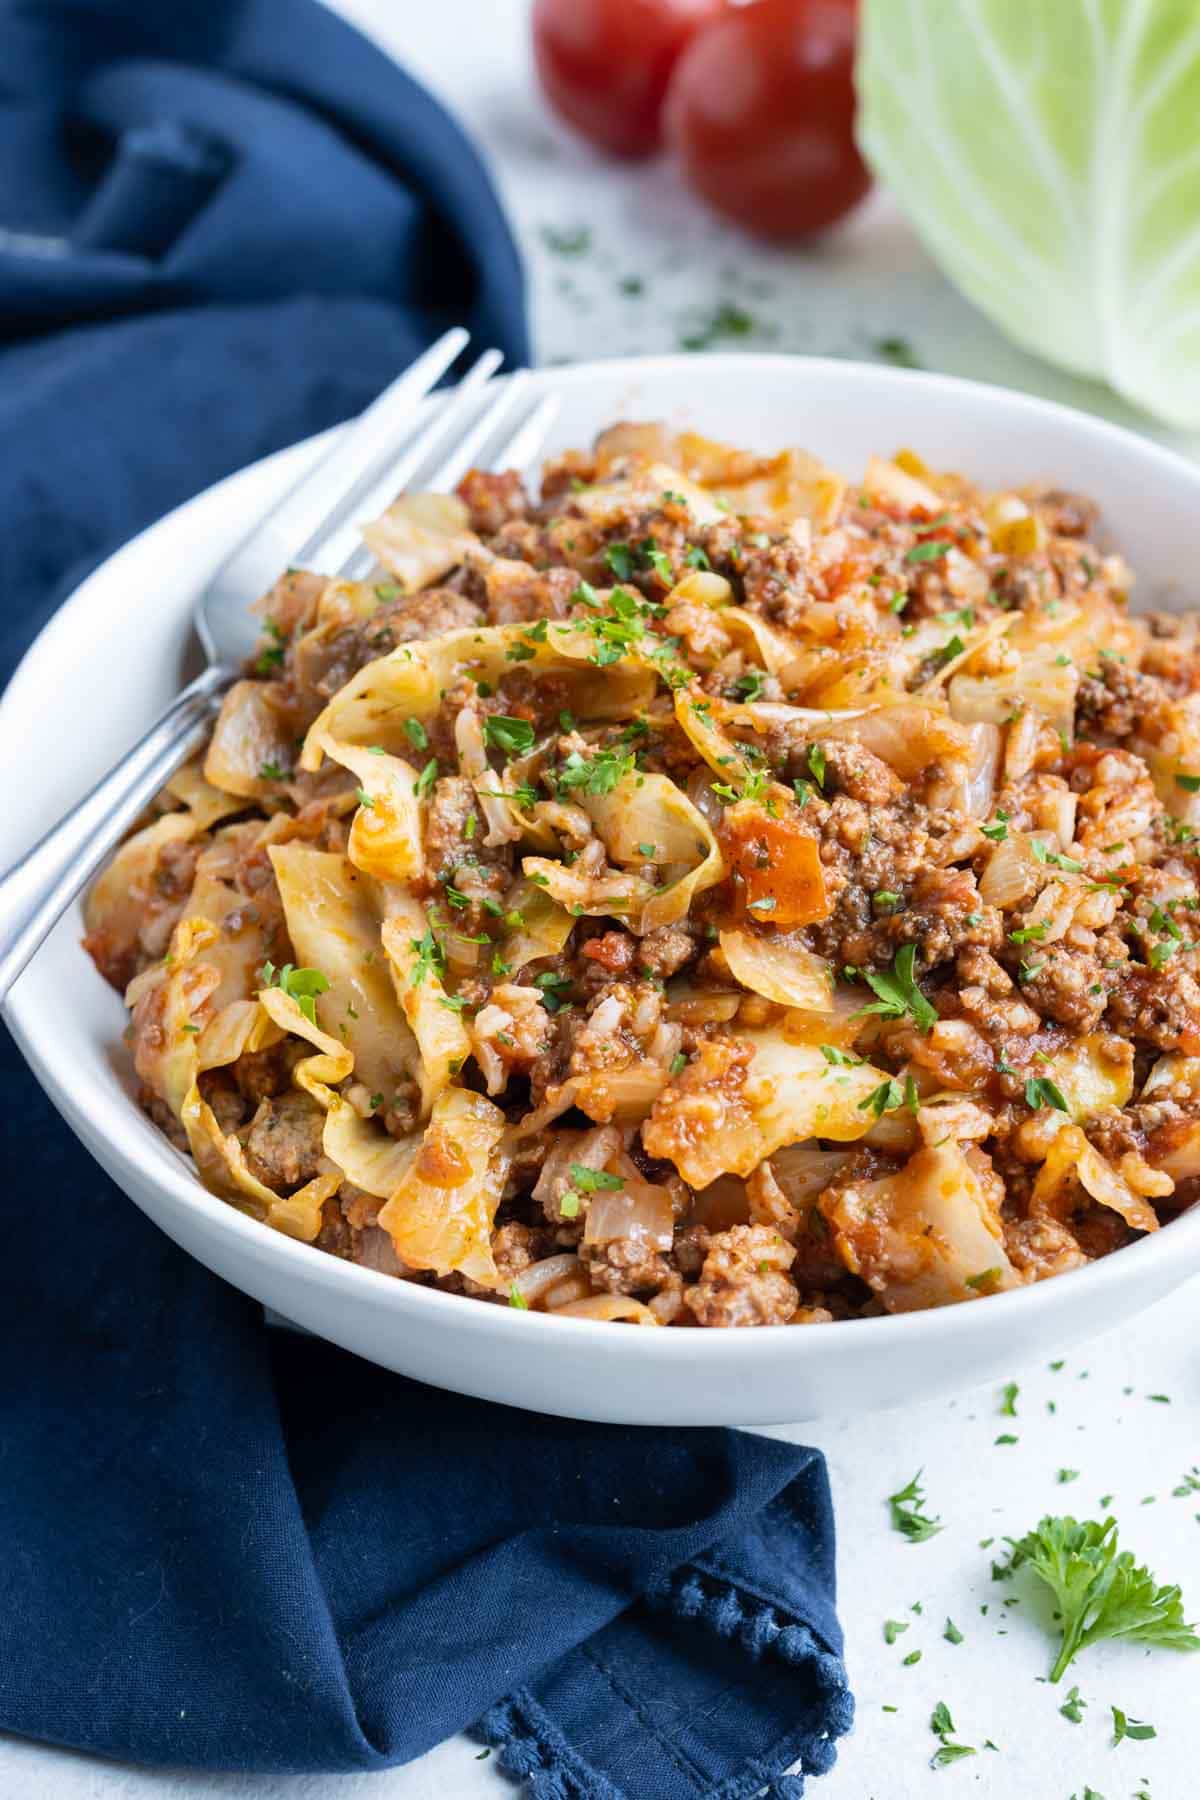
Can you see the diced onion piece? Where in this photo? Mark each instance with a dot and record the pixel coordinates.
(1090, 1077)
(1011, 874)
(972, 786)
(700, 588)
(206, 804)
(250, 734)
(539, 1278)
(638, 1210)
(1175, 1149)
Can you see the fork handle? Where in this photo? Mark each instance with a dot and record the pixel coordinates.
(36, 891)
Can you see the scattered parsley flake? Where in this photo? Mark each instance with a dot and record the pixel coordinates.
(301, 985)
(907, 1517)
(1125, 1727)
(1041, 1091)
(899, 995)
(1073, 1707)
(416, 734)
(590, 1181)
(513, 736)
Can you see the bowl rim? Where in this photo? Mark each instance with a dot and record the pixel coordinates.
(147, 1157)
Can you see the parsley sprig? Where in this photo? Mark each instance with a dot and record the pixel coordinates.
(1100, 1591)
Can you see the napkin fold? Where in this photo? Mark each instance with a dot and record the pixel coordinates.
(225, 224)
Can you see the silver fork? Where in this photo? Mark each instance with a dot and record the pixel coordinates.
(312, 527)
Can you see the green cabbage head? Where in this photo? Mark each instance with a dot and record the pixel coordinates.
(1048, 152)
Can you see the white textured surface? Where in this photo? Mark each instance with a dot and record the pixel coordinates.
(873, 282)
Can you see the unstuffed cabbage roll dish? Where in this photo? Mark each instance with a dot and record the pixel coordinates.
(698, 892)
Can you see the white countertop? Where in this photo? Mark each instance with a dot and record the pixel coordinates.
(872, 282)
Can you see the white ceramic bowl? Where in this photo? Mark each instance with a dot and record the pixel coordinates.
(114, 654)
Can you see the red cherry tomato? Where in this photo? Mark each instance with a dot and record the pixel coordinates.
(605, 64)
(761, 112)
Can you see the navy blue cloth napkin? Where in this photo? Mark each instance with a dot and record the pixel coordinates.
(225, 224)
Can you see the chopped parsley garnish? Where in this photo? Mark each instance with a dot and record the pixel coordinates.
(619, 558)
(1125, 1727)
(679, 1063)
(596, 774)
(591, 1181)
(927, 551)
(272, 771)
(1008, 1400)
(300, 985)
(816, 764)
(656, 559)
(569, 1204)
(1054, 857)
(516, 1298)
(695, 558)
(951, 1633)
(513, 736)
(750, 685)
(551, 984)
(431, 957)
(1101, 1592)
(572, 240)
(1041, 1091)
(986, 1279)
(942, 1726)
(416, 734)
(899, 995)
(907, 1517)
(897, 351)
(1073, 1707)
(998, 829)
(1189, 783)
(892, 1629)
(426, 779)
(271, 658)
(364, 799)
